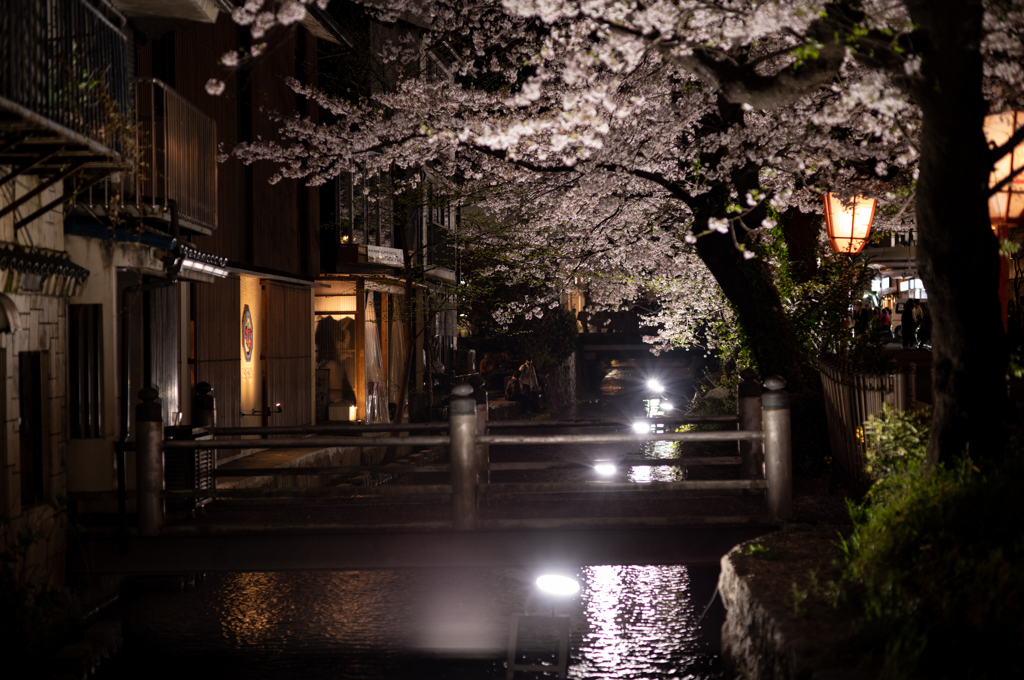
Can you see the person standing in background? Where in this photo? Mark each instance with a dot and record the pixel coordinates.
(531, 386)
(909, 324)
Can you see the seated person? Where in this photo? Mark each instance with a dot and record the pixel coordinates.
(514, 390)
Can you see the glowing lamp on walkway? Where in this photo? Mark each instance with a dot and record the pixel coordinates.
(557, 584)
(1006, 205)
(849, 222)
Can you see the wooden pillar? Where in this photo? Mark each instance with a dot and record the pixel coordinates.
(360, 363)
(384, 326)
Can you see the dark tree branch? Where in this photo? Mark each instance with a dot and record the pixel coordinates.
(1006, 180)
(743, 85)
(998, 152)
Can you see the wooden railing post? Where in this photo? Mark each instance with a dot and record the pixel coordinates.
(777, 448)
(749, 411)
(462, 430)
(149, 463)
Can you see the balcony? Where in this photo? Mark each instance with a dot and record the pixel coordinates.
(63, 95)
(174, 183)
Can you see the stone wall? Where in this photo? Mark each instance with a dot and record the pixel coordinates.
(777, 627)
(41, 327)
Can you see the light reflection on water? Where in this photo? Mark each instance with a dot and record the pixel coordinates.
(641, 623)
(650, 473)
(626, 622)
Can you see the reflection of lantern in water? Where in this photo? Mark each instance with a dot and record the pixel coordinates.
(849, 222)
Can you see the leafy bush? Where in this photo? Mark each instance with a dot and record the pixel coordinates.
(705, 405)
(935, 563)
(897, 442)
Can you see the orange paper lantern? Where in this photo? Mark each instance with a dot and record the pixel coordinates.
(849, 222)
(1007, 204)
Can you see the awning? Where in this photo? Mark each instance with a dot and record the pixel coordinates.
(39, 271)
(272, 274)
(182, 260)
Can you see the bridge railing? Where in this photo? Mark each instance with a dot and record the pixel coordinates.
(469, 466)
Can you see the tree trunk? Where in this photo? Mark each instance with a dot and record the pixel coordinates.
(801, 233)
(958, 252)
(749, 287)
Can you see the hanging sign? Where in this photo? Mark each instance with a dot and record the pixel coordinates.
(381, 255)
(247, 333)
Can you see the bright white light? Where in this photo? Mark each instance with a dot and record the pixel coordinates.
(665, 406)
(555, 584)
(641, 427)
(655, 385)
(605, 469)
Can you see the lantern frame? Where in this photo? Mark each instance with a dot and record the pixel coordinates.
(841, 222)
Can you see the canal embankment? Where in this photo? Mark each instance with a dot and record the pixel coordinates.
(778, 625)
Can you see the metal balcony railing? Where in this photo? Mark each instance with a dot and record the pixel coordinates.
(178, 146)
(175, 169)
(63, 66)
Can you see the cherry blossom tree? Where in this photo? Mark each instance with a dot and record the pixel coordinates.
(643, 135)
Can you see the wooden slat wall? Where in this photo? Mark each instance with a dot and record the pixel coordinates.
(218, 345)
(197, 51)
(309, 197)
(272, 226)
(275, 222)
(289, 364)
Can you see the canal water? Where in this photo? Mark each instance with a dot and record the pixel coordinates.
(626, 622)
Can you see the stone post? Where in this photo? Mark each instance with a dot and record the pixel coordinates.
(204, 406)
(483, 453)
(778, 458)
(149, 463)
(462, 429)
(749, 408)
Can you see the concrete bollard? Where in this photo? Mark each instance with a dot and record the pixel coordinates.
(204, 406)
(778, 458)
(749, 411)
(149, 463)
(462, 429)
(483, 451)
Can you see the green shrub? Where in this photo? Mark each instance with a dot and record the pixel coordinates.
(897, 444)
(713, 406)
(935, 564)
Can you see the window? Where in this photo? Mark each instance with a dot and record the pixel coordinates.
(85, 370)
(31, 430)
